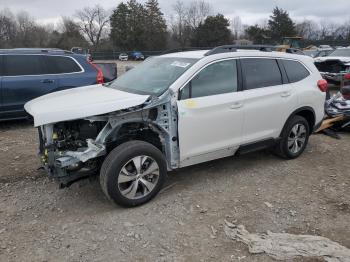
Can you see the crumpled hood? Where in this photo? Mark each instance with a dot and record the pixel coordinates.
(79, 103)
(343, 59)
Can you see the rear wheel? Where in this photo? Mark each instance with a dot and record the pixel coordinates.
(133, 173)
(294, 138)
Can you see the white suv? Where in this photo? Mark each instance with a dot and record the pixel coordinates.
(178, 110)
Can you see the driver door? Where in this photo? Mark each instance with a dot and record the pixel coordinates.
(211, 114)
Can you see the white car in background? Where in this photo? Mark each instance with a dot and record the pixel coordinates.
(123, 57)
(185, 108)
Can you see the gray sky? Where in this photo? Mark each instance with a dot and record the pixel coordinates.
(251, 11)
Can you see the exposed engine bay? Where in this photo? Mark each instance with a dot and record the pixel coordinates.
(68, 138)
(72, 150)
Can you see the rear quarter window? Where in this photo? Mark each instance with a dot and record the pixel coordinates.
(62, 65)
(295, 71)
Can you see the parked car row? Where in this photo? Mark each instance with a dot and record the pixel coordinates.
(137, 56)
(317, 53)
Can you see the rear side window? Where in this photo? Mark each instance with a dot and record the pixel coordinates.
(62, 65)
(17, 65)
(295, 71)
(260, 72)
(215, 79)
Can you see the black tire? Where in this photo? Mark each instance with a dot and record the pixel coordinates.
(115, 161)
(282, 148)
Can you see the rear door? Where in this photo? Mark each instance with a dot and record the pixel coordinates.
(268, 99)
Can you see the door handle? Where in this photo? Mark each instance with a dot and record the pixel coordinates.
(236, 105)
(286, 94)
(47, 81)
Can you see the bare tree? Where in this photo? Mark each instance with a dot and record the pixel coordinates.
(326, 29)
(179, 25)
(25, 27)
(187, 18)
(197, 11)
(8, 28)
(93, 22)
(307, 29)
(236, 27)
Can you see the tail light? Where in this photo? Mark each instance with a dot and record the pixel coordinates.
(347, 76)
(99, 74)
(99, 77)
(322, 85)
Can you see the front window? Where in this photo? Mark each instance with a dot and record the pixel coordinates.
(154, 76)
(341, 52)
(215, 79)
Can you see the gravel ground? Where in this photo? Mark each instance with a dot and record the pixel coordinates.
(39, 222)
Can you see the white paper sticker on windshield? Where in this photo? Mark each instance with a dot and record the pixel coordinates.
(180, 64)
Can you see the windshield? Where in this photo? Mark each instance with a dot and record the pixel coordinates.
(341, 52)
(153, 76)
(312, 53)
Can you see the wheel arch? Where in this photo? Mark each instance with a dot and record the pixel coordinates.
(137, 130)
(306, 112)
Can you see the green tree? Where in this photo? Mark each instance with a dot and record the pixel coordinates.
(213, 32)
(120, 27)
(137, 20)
(257, 34)
(155, 27)
(68, 36)
(280, 25)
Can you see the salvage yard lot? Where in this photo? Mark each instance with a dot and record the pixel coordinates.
(39, 222)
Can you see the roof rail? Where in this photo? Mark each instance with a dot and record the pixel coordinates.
(35, 50)
(234, 48)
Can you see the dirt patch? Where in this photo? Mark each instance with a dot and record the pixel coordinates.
(40, 222)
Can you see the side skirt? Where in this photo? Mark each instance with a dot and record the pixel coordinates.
(257, 146)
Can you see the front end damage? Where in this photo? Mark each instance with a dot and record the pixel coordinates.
(333, 70)
(75, 149)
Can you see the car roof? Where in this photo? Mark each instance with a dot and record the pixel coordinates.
(35, 51)
(200, 54)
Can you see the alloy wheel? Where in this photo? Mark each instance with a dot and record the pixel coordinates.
(297, 138)
(138, 177)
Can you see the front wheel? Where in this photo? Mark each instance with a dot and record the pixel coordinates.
(133, 173)
(294, 138)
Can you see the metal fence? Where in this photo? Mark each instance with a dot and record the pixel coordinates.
(113, 55)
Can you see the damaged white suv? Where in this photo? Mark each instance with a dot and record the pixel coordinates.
(178, 110)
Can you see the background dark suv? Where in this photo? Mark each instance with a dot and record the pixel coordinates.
(29, 73)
